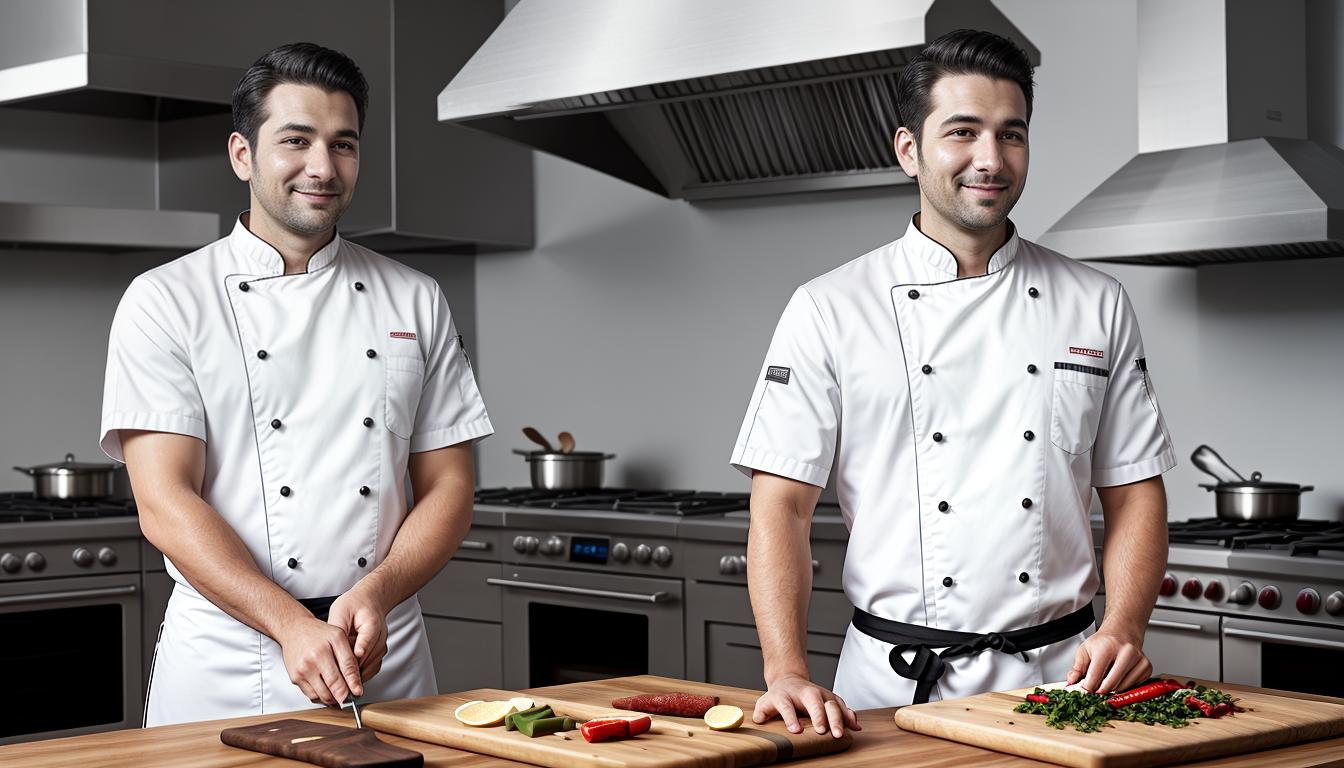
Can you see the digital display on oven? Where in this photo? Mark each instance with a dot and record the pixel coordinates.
(583, 549)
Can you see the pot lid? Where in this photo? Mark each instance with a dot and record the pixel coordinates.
(571, 456)
(68, 467)
(1256, 485)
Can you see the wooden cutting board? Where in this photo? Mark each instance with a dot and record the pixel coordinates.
(321, 744)
(674, 742)
(988, 721)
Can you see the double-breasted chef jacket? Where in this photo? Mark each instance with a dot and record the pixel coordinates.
(966, 420)
(310, 391)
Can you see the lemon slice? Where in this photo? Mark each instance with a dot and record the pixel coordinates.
(482, 714)
(723, 717)
(464, 705)
(521, 703)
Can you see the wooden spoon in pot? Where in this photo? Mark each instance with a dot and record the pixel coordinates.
(535, 436)
(566, 442)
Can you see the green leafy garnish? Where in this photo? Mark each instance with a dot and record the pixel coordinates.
(1089, 712)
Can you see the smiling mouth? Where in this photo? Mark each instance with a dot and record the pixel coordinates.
(984, 191)
(315, 196)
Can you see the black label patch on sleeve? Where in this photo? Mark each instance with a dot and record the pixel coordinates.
(1142, 363)
(777, 373)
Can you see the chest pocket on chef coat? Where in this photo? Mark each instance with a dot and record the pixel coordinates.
(405, 381)
(1079, 392)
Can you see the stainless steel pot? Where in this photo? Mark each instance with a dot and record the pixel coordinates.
(556, 471)
(71, 479)
(1241, 499)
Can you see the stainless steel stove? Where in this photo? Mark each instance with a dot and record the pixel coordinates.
(70, 613)
(1256, 603)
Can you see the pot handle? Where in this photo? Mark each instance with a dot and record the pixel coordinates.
(521, 452)
(25, 470)
(1212, 464)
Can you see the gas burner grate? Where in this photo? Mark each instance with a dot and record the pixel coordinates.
(19, 507)
(1295, 537)
(676, 503)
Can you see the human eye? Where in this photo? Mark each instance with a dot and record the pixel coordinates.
(962, 133)
(294, 141)
(1013, 136)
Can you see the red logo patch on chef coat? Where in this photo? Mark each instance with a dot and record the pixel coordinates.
(402, 335)
(1085, 351)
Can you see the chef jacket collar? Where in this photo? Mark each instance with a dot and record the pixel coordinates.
(268, 260)
(917, 244)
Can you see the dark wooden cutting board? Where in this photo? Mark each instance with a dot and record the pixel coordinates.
(321, 744)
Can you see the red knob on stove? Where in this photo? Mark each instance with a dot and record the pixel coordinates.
(1168, 587)
(1214, 591)
(1192, 589)
(1268, 598)
(1308, 601)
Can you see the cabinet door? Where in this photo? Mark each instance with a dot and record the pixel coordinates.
(158, 587)
(459, 591)
(1184, 644)
(733, 656)
(467, 654)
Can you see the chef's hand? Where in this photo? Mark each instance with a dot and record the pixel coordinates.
(365, 626)
(320, 662)
(791, 693)
(1110, 660)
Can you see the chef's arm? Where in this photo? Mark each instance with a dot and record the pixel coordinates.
(779, 580)
(167, 471)
(1134, 557)
(444, 482)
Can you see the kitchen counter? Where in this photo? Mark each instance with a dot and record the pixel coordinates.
(880, 743)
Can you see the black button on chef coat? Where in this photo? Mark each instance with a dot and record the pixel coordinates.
(927, 368)
(943, 506)
(363, 490)
(359, 286)
(370, 353)
(368, 422)
(275, 424)
(1023, 577)
(261, 353)
(362, 562)
(1031, 368)
(1026, 503)
(947, 581)
(937, 437)
(293, 563)
(1029, 435)
(1033, 293)
(913, 294)
(284, 490)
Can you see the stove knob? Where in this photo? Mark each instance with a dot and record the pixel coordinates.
(1243, 594)
(520, 544)
(35, 561)
(1268, 598)
(107, 556)
(662, 555)
(1168, 587)
(620, 552)
(1334, 604)
(10, 563)
(727, 565)
(1192, 589)
(553, 546)
(643, 553)
(532, 542)
(82, 557)
(1214, 591)
(1308, 601)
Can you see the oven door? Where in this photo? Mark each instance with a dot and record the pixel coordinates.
(70, 655)
(1290, 657)
(573, 626)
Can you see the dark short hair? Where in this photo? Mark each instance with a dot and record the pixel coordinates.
(301, 64)
(963, 52)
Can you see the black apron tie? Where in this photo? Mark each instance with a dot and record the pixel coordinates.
(927, 667)
(320, 607)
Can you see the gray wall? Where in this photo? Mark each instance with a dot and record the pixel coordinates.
(639, 323)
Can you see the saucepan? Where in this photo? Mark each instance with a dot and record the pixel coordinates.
(565, 469)
(71, 479)
(1241, 499)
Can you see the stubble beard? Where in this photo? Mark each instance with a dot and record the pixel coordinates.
(293, 213)
(972, 215)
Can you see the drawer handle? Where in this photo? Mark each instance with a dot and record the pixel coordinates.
(734, 565)
(755, 647)
(1309, 642)
(656, 597)
(479, 546)
(74, 594)
(1182, 625)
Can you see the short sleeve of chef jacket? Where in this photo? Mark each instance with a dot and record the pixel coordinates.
(451, 410)
(1132, 439)
(149, 383)
(791, 423)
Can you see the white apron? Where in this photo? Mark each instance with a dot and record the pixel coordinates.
(309, 391)
(967, 421)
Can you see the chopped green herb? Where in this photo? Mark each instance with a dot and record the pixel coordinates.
(1089, 712)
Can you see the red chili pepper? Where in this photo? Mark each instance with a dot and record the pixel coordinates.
(605, 730)
(1039, 698)
(1204, 707)
(639, 724)
(1221, 709)
(1143, 693)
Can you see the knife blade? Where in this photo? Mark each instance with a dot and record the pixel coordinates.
(354, 707)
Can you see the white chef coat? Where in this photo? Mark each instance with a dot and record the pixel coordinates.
(310, 391)
(965, 484)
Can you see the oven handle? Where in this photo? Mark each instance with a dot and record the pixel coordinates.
(74, 594)
(475, 545)
(1164, 624)
(1309, 642)
(656, 597)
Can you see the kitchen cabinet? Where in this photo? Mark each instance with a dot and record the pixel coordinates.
(467, 654)
(463, 616)
(1184, 643)
(733, 656)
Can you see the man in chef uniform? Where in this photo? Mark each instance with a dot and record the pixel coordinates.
(968, 389)
(269, 393)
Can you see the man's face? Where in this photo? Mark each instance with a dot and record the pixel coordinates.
(303, 169)
(972, 159)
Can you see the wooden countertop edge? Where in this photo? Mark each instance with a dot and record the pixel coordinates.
(197, 745)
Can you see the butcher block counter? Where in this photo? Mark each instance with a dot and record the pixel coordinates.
(880, 743)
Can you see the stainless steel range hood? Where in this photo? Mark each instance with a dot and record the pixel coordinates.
(1225, 171)
(706, 99)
